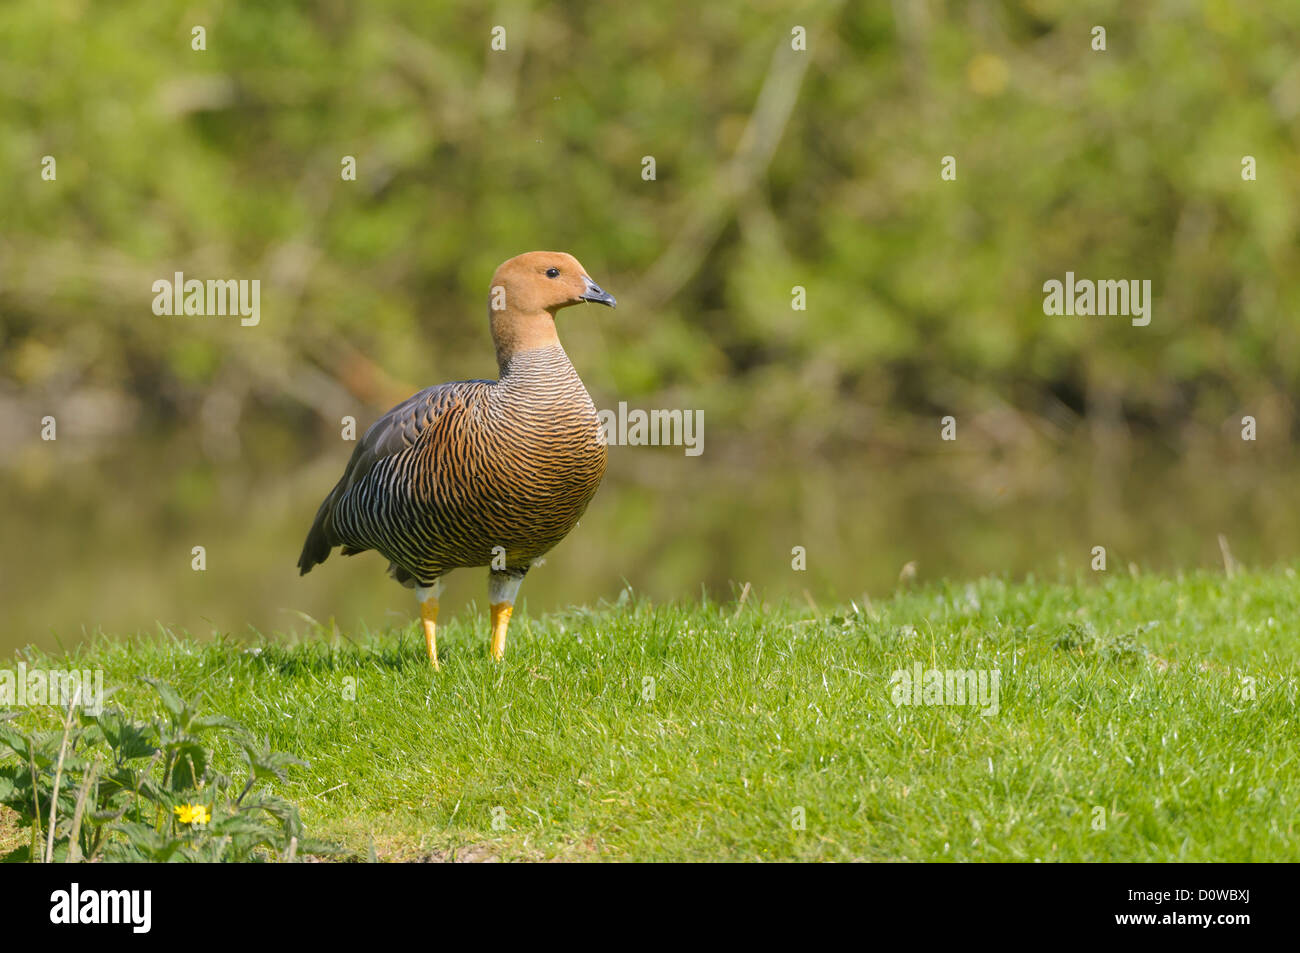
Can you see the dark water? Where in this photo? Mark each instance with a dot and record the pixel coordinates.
(105, 543)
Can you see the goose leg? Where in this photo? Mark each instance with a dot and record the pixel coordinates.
(429, 616)
(502, 588)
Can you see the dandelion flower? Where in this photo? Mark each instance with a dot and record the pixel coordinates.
(192, 813)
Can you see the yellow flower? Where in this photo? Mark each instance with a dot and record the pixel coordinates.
(192, 814)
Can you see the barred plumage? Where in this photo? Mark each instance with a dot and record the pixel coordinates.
(509, 463)
(461, 472)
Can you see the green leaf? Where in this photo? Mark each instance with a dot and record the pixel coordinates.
(267, 763)
(241, 825)
(207, 722)
(170, 698)
(141, 836)
(17, 781)
(155, 847)
(128, 739)
(191, 763)
(15, 740)
(109, 815)
(320, 848)
(124, 780)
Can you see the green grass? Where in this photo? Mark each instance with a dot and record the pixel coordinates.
(1124, 695)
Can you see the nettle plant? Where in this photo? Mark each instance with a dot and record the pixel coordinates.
(106, 787)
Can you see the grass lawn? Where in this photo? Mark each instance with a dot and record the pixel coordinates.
(1138, 719)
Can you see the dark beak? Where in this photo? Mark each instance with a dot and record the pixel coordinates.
(595, 293)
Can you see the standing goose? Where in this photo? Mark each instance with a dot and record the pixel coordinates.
(478, 473)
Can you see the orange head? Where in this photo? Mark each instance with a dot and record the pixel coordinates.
(543, 281)
(528, 290)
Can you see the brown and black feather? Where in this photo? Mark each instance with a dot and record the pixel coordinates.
(456, 470)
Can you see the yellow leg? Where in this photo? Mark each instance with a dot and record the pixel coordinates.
(429, 616)
(500, 622)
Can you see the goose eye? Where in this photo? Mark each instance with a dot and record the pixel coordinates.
(552, 272)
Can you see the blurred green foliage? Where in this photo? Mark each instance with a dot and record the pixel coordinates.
(775, 169)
